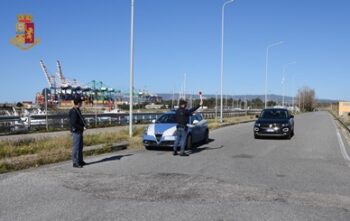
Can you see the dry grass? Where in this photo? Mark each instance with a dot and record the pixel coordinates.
(26, 153)
(214, 124)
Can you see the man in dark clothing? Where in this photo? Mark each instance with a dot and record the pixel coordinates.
(182, 119)
(77, 126)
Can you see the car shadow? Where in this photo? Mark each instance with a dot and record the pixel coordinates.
(196, 148)
(118, 157)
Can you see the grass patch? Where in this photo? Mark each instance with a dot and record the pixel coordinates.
(214, 124)
(26, 153)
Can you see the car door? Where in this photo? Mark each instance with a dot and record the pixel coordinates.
(195, 128)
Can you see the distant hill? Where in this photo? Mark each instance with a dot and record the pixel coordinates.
(274, 97)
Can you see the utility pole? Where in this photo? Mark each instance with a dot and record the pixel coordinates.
(222, 56)
(131, 69)
(266, 65)
(216, 106)
(47, 123)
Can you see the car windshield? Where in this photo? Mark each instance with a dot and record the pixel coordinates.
(274, 114)
(167, 119)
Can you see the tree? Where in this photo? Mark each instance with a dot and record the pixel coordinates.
(306, 99)
(257, 103)
(271, 103)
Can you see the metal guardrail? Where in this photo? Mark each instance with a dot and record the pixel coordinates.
(16, 124)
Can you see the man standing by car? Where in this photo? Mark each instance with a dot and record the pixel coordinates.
(77, 126)
(182, 119)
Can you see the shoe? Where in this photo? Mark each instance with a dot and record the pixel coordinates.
(175, 153)
(77, 165)
(83, 163)
(184, 154)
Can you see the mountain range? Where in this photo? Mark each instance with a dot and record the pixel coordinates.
(271, 97)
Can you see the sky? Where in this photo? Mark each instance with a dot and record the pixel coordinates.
(173, 38)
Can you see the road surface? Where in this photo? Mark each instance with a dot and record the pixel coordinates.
(234, 177)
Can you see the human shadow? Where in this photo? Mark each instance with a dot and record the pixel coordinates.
(118, 157)
(197, 148)
(200, 149)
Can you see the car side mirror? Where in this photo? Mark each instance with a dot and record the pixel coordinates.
(257, 116)
(291, 116)
(153, 121)
(195, 122)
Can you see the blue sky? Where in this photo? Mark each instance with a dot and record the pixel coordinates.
(92, 38)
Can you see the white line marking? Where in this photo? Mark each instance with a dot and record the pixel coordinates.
(342, 148)
(341, 145)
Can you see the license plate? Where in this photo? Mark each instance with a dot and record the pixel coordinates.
(270, 130)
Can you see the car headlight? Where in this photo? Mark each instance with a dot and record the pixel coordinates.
(174, 134)
(257, 124)
(285, 125)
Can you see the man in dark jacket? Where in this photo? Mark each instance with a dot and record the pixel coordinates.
(182, 119)
(77, 126)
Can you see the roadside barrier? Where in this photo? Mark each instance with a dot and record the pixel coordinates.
(55, 122)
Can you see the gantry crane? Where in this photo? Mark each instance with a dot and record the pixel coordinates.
(61, 78)
(50, 79)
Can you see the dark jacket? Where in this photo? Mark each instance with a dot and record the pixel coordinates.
(183, 115)
(76, 120)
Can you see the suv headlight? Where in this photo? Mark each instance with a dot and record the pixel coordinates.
(257, 124)
(285, 125)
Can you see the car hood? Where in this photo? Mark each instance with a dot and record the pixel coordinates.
(272, 121)
(165, 129)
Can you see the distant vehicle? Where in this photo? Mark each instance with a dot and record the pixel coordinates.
(113, 111)
(274, 122)
(162, 132)
(18, 127)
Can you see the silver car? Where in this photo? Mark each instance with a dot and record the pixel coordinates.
(162, 132)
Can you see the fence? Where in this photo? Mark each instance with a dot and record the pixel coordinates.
(16, 124)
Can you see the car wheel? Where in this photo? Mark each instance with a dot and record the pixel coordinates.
(189, 142)
(206, 137)
(148, 147)
(289, 136)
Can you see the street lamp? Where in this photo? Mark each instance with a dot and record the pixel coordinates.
(284, 78)
(222, 54)
(267, 59)
(131, 68)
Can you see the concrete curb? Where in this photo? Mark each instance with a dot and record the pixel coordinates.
(341, 122)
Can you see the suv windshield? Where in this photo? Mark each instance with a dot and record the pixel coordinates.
(167, 119)
(274, 114)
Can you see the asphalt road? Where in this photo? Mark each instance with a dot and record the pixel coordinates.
(235, 177)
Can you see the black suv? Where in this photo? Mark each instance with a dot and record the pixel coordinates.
(274, 122)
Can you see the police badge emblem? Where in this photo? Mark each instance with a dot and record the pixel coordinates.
(24, 33)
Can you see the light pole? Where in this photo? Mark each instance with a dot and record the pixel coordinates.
(131, 68)
(46, 120)
(293, 101)
(222, 55)
(267, 60)
(216, 105)
(284, 78)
